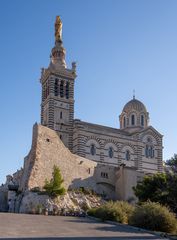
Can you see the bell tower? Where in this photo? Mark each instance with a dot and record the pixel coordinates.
(57, 106)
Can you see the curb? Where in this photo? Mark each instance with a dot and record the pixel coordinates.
(159, 234)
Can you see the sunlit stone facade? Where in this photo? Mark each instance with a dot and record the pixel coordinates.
(136, 144)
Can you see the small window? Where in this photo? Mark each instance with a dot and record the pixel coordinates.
(142, 120)
(47, 89)
(149, 151)
(45, 92)
(152, 152)
(62, 89)
(133, 119)
(56, 87)
(149, 140)
(61, 137)
(61, 115)
(146, 151)
(127, 155)
(124, 122)
(111, 152)
(67, 90)
(92, 150)
(104, 175)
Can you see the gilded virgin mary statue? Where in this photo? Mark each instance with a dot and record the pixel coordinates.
(58, 29)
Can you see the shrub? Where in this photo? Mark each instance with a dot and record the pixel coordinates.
(53, 187)
(35, 189)
(86, 191)
(118, 211)
(153, 216)
(85, 207)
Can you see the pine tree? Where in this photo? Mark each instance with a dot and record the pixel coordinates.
(54, 187)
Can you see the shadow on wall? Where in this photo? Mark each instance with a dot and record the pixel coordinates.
(98, 183)
(3, 201)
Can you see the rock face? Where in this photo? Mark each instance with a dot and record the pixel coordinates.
(71, 201)
(48, 150)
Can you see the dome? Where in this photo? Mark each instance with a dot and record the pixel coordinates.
(136, 105)
(134, 116)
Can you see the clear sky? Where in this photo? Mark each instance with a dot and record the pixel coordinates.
(119, 45)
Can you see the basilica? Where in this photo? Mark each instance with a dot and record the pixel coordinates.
(136, 144)
(109, 161)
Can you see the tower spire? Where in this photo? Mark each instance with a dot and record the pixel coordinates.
(133, 93)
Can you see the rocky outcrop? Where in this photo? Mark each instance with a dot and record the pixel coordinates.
(71, 201)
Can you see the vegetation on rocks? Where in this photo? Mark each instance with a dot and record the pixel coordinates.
(54, 187)
(155, 217)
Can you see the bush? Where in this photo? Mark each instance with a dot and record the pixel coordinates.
(53, 187)
(35, 189)
(85, 191)
(118, 211)
(155, 217)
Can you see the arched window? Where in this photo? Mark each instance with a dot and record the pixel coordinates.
(111, 152)
(67, 90)
(92, 149)
(149, 151)
(61, 89)
(124, 122)
(127, 155)
(45, 96)
(152, 152)
(56, 87)
(61, 115)
(47, 88)
(146, 151)
(133, 119)
(142, 120)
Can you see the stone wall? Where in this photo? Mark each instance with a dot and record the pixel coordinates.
(127, 177)
(3, 199)
(48, 150)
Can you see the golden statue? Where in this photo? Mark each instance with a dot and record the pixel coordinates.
(58, 29)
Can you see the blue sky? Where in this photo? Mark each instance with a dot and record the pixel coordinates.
(119, 45)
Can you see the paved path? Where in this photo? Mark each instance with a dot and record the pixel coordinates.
(24, 226)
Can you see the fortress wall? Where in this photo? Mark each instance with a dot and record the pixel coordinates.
(48, 150)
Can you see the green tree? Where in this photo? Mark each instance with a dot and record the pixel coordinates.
(160, 187)
(54, 187)
(153, 187)
(172, 162)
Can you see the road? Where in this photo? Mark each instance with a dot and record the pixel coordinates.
(24, 226)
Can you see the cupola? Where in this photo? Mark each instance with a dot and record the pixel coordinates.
(134, 116)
